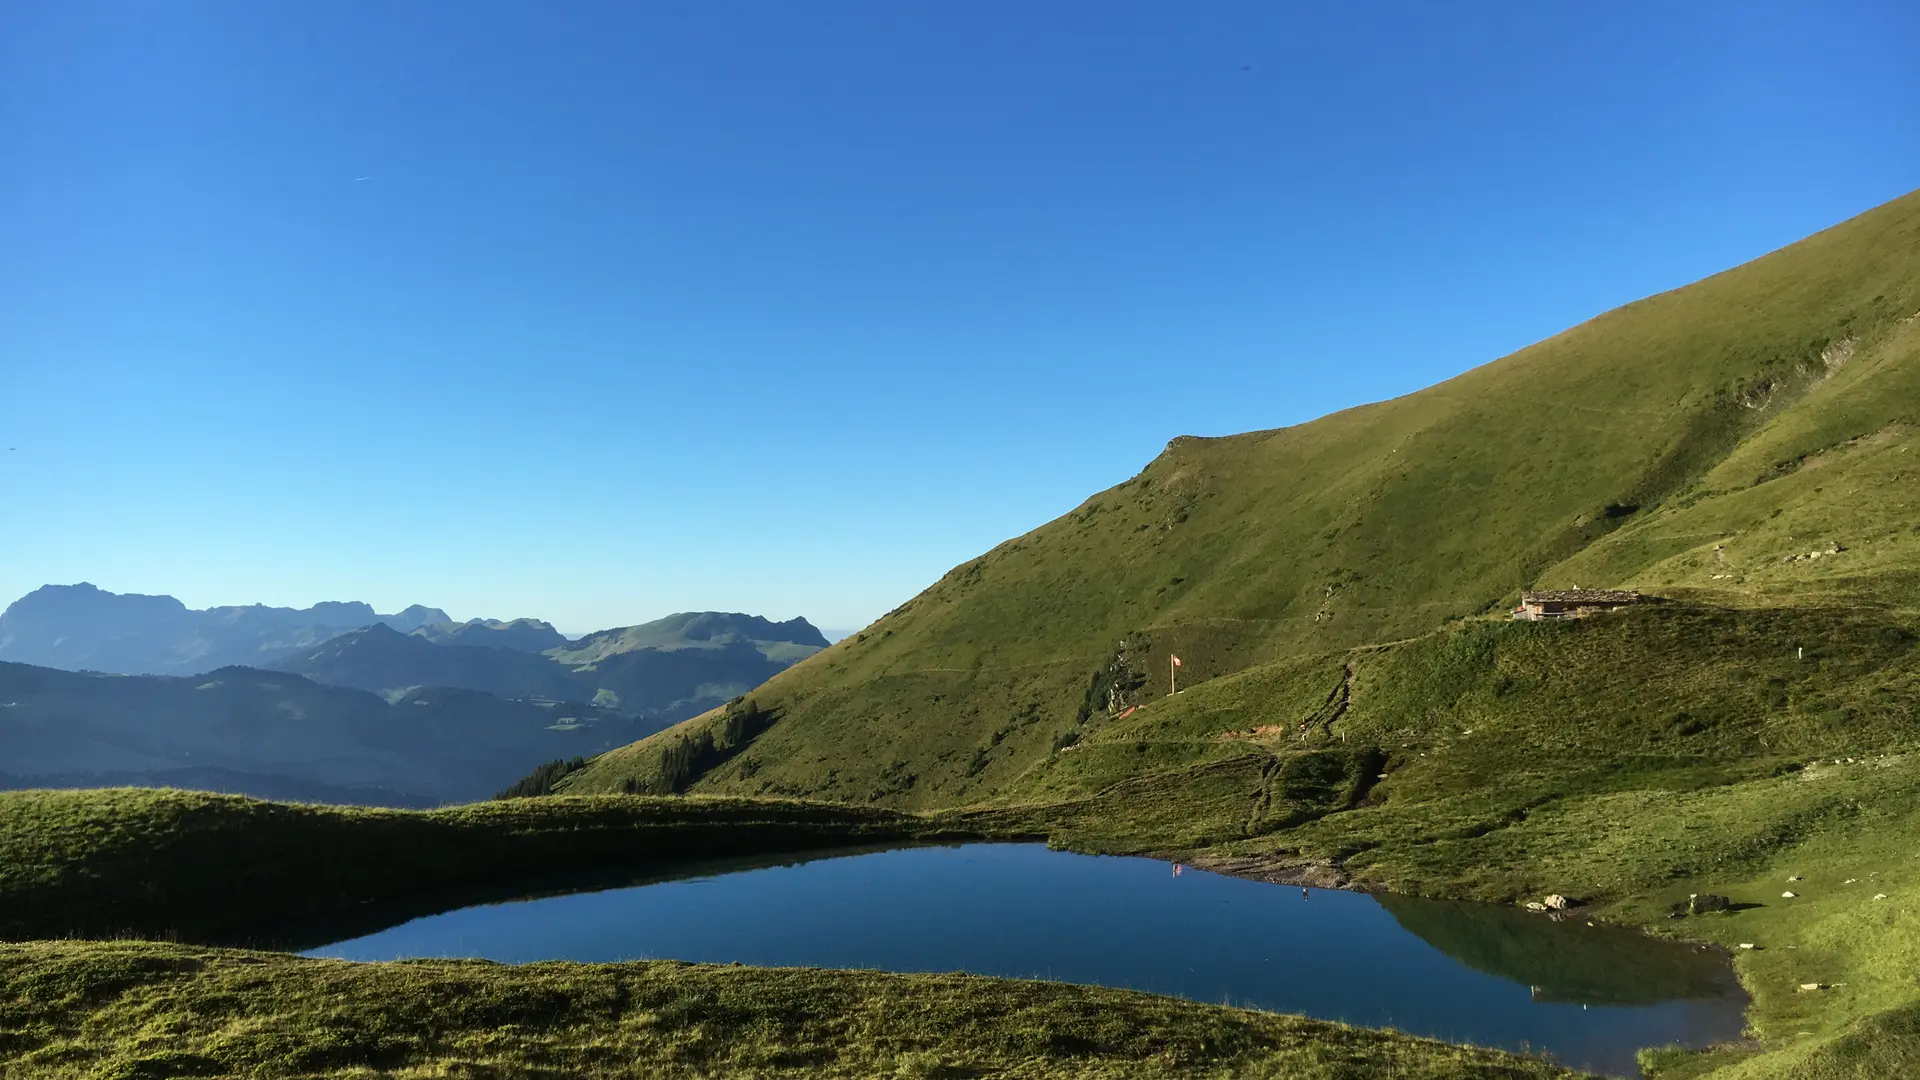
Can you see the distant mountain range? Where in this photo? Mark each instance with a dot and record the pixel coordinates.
(527, 635)
(669, 669)
(83, 628)
(341, 703)
(275, 734)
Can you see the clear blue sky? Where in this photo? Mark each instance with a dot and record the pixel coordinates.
(594, 312)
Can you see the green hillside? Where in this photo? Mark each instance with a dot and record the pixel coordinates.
(1690, 443)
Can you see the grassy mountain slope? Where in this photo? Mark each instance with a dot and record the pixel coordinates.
(272, 733)
(1839, 467)
(1767, 409)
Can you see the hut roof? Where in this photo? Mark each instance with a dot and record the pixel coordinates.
(1582, 596)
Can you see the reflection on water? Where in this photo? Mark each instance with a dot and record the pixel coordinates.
(1587, 996)
(380, 915)
(1566, 960)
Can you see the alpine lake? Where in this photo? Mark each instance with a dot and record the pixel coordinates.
(1586, 996)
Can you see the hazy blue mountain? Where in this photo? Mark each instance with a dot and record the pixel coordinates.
(83, 628)
(669, 669)
(526, 635)
(276, 734)
(792, 640)
(403, 709)
(380, 659)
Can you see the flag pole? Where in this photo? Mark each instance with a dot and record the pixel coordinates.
(1173, 662)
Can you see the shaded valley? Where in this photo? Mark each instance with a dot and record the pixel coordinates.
(668, 670)
(275, 734)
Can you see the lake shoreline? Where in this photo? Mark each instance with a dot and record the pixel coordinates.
(527, 820)
(1590, 995)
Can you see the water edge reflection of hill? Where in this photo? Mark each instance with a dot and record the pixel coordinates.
(1568, 960)
(1589, 997)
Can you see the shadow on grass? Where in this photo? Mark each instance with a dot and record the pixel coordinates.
(300, 935)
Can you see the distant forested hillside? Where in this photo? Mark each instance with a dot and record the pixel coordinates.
(277, 735)
(337, 702)
(669, 669)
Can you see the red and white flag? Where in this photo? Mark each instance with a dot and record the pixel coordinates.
(1176, 661)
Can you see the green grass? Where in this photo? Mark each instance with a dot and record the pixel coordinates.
(1475, 728)
(1864, 951)
(99, 1010)
(203, 867)
(1626, 760)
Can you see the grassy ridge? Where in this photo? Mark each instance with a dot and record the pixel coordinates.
(205, 867)
(139, 1009)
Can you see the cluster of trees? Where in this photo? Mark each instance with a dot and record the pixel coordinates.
(1113, 684)
(686, 759)
(542, 779)
(689, 757)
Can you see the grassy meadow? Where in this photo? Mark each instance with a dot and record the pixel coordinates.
(137, 1009)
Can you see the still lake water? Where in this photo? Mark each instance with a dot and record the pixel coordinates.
(1587, 996)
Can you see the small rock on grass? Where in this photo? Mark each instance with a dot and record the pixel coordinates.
(1701, 903)
(1788, 895)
